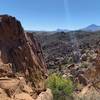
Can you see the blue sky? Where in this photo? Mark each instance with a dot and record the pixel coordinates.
(53, 14)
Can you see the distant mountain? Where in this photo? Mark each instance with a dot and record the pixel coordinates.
(91, 28)
(62, 30)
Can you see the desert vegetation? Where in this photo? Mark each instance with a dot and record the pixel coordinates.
(62, 88)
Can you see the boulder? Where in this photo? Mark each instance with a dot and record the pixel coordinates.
(45, 95)
(3, 95)
(87, 93)
(23, 96)
(26, 89)
(82, 79)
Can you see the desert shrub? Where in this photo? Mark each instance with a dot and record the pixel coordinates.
(60, 87)
(84, 64)
(70, 60)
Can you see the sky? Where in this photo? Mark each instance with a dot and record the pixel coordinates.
(53, 14)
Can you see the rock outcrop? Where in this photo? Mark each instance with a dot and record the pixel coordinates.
(87, 93)
(22, 67)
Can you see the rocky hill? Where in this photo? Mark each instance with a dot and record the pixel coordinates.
(62, 45)
(22, 66)
(75, 55)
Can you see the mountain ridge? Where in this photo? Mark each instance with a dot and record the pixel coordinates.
(89, 28)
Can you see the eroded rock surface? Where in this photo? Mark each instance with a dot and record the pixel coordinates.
(22, 67)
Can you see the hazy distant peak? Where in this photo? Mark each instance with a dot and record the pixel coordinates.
(92, 27)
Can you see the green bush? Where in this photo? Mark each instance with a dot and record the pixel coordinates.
(60, 87)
